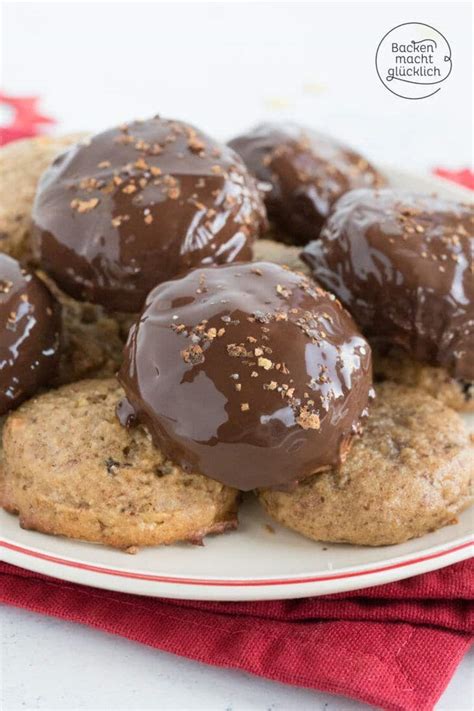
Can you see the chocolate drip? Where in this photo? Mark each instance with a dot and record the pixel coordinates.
(250, 374)
(138, 204)
(402, 264)
(29, 334)
(306, 172)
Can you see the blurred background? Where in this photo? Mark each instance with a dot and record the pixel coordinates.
(227, 65)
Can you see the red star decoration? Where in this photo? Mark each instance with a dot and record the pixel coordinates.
(27, 119)
(462, 177)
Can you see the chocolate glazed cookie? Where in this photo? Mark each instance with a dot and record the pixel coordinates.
(411, 472)
(306, 172)
(402, 265)
(250, 374)
(138, 204)
(70, 469)
(29, 334)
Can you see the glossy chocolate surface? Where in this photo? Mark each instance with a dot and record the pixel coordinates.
(307, 172)
(402, 264)
(29, 334)
(248, 373)
(138, 204)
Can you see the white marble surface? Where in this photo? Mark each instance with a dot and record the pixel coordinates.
(52, 665)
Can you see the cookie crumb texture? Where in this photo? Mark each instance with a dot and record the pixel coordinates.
(398, 367)
(269, 250)
(70, 469)
(411, 473)
(21, 165)
(92, 340)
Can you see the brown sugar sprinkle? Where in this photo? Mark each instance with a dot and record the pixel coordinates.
(141, 164)
(202, 289)
(89, 184)
(117, 221)
(308, 420)
(272, 385)
(245, 407)
(193, 354)
(174, 193)
(5, 286)
(238, 386)
(104, 164)
(142, 146)
(148, 219)
(124, 138)
(155, 171)
(195, 145)
(265, 363)
(130, 188)
(283, 291)
(236, 351)
(155, 149)
(84, 205)
(256, 271)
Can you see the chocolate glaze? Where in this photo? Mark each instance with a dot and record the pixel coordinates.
(29, 334)
(402, 264)
(248, 373)
(307, 172)
(138, 204)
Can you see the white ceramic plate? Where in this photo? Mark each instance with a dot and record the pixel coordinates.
(261, 560)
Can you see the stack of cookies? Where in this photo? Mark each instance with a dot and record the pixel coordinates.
(182, 321)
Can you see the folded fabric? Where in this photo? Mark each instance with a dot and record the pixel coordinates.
(395, 646)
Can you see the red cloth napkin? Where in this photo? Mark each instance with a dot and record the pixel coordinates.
(395, 646)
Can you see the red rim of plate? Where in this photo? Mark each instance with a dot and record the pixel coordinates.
(227, 583)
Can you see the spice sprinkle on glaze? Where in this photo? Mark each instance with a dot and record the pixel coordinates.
(249, 373)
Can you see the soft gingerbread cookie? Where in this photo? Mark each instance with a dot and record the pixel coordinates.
(21, 165)
(411, 472)
(267, 250)
(92, 341)
(400, 368)
(69, 468)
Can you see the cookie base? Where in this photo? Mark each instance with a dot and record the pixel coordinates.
(437, 382)
(69, 468)
(410, 473)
